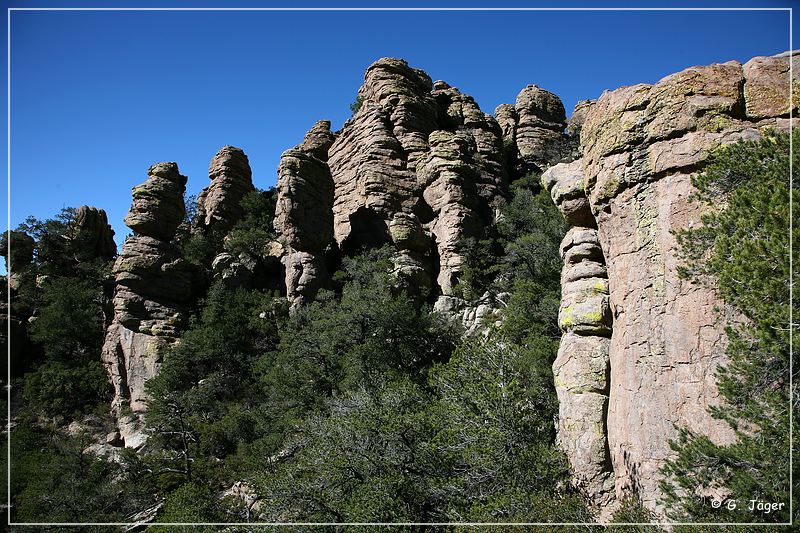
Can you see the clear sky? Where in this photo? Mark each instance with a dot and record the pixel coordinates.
(99, 96)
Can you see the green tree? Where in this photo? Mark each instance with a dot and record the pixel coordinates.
(743, 250)
(190, 503)
(254, 231)
(371, 331)
(205, 400)
(366, 459)
(495, 434)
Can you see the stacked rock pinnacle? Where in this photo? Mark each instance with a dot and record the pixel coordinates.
(534, 129)
(219, 204)
(304, 213)
(153, 284)
(581, 369)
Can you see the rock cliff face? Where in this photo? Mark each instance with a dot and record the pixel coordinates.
(153, 284)
(639, 147)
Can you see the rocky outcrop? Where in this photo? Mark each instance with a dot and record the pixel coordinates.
(219, 205)
(581, 369)
(639, 146)
(92, 235)
(476, 317)
(419, 166)
(153, 285)
(374, 158)
(304, 214)
(540, 129)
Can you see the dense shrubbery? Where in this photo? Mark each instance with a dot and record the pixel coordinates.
(364, 405)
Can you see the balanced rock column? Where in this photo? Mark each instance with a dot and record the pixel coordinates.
(153, 285)
(220, 204)
(304, 213)
(581, 369)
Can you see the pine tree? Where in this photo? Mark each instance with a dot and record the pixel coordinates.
(743, 250)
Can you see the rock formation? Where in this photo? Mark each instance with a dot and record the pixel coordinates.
(92, 235)
(581, 369)
(419, 166)
(153, 284)
(539, 129)
(304, 213)
(639, 147)
(219, 204)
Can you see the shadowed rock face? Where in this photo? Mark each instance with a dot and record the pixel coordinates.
(153, 284)
(219, 204)
(639, 146)
(92, 233)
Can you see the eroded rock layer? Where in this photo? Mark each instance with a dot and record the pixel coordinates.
(153, 285)
(639, 146)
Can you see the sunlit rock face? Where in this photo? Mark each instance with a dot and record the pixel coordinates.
(659, 338)
(304, 214)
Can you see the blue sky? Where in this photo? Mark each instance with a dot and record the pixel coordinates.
(98, 96)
